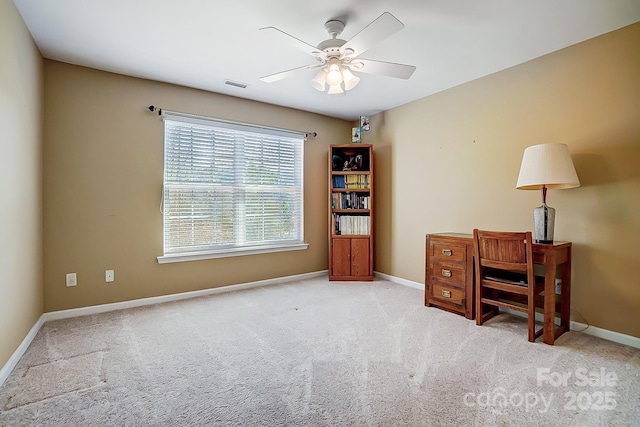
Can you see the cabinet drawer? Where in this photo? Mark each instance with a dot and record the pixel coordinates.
(448, 274)
(444, 251)
(448, 294)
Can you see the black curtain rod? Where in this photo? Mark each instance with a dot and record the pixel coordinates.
(153, 109)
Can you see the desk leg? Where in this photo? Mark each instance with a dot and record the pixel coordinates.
(565, 305)
(549, 298)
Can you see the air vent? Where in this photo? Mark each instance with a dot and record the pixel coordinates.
(236, 84)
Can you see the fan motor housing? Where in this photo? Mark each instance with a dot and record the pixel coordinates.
(331, 46)
(334, 27)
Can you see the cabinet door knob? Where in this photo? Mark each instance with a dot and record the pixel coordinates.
(446, 273)
(446, 294)
(446, 252)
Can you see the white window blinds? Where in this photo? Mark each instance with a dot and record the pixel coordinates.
(228, 186)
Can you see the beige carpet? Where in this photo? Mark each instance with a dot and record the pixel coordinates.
(315, 353)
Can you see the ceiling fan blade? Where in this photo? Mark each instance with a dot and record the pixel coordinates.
(382, 27)
(390, 69)
(297, 43)
(289, 73)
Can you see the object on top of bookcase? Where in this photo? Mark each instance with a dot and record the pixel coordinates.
(350, 159)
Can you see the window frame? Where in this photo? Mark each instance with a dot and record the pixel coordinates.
(234, 250)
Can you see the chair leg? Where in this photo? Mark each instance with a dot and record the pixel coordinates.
(479, 313)
(485, 311)
(531, 318)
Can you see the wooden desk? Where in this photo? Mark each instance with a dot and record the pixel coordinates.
(555, 258)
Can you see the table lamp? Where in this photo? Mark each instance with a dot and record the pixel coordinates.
(546, 166)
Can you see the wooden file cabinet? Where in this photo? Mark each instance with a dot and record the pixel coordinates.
(449, 273)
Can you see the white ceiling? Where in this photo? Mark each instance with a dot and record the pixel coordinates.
(202, 43)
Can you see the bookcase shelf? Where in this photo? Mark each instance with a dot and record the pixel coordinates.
(351, 212)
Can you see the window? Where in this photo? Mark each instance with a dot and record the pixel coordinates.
(230, 189)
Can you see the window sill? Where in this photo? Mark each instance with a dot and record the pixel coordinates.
(166, 259)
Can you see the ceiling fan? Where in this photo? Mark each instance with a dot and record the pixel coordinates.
(336, 58)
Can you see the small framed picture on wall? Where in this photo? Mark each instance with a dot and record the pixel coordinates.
(355, 135)
(364, 123)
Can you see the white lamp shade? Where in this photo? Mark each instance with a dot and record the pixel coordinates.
(335, 89)
(334, 75)
(547, 165)
(350, 81)
(319, 81)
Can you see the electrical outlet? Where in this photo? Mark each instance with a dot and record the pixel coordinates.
(72, 279)
(109, 276)
(558, 286)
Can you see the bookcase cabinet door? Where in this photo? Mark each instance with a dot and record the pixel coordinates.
(351, 259)
(341, 254)
(360, 257)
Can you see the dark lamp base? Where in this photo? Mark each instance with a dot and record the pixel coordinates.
(543, 220)
(546, 242)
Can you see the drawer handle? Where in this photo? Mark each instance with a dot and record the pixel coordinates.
(446, 294)
(447, 252)
(446, 273)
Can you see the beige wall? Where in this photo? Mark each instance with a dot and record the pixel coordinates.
(103, 176)
(20, 181)
(449, 162)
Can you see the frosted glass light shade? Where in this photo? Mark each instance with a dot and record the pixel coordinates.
(334, 76)
(319, 81)
(350, 81)
(547, 165)
(335, 89)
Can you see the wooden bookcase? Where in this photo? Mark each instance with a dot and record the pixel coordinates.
(351, 212)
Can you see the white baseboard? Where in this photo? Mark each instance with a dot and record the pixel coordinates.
(95, 309)
(103, 308)
(22, 348)
(606, 334)
(399, 280)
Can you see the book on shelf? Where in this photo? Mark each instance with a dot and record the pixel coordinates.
(351, 224)
(338, 181)
(351, 181)
(349, 200)
(357, 181)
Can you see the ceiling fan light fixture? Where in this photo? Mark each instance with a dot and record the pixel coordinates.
(319, 81)
(334, 75)
(337, 58)
(339, 79)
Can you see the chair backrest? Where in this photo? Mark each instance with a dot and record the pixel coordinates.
(504, 250)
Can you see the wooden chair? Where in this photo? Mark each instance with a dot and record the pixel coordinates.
(504, 274)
